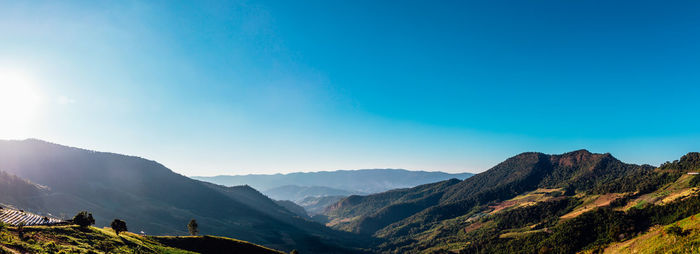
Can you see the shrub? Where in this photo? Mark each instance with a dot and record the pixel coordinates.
(193, 227)
(675, 230)
(83, 219)
(118, 226)
(20, 230)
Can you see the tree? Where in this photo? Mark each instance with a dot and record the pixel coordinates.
(83, 219)
(675, 230)
(118, 226)
(193, 227)
(20, 230)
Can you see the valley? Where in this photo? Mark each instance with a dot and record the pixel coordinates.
(530, 203)
(349, 127)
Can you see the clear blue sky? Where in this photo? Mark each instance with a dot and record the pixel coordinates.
(237, 87)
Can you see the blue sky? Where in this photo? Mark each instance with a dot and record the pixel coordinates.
(236, 87)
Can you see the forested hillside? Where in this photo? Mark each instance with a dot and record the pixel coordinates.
(529, 203)
(152, 198)
(20, 192)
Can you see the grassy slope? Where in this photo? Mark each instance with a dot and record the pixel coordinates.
(72, 239)
(658, 241)
(451, 233)
(668, 193)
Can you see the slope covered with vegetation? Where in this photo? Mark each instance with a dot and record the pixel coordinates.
(64, 180)
(530, 203)
(20, 192)
(316, 205)
(682, 236)
(74, 239)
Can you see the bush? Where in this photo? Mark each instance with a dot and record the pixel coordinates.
(675, 230)
(118, 226)
(83, 219)
(193, 227)
(20, 230)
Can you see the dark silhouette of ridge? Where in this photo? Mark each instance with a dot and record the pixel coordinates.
(156, 200)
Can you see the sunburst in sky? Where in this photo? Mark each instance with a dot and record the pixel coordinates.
(19, 103)
(233, 87)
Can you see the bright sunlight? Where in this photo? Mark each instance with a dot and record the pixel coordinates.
(19, 102)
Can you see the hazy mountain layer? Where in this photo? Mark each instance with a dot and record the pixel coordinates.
(151, 198)
(298, 193)
(354, 181)
(530, 203)
(316, 205)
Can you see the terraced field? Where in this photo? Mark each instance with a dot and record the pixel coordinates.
(592, 202)
(657, 240)
(15, 217)
(673, 191)
(527, 199)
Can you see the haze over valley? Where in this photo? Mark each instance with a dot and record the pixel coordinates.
(331, 127)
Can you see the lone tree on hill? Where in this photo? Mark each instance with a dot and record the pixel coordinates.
(193, 227)
(83, 219)
(20, 230)
(118, 226)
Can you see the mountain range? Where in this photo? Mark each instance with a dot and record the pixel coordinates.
(530, 203)
(350, 181)
(44, 178)
(298, 193)
(315, 190)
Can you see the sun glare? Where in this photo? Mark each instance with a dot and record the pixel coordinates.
(19, 102)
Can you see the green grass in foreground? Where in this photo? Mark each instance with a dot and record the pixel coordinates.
(659, 240)
(73, 239)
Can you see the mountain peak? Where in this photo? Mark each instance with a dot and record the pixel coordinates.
(578, 157)
(579, 152)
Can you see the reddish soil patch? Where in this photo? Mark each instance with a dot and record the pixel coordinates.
(472, 227)
(603, 200)
(503, 205)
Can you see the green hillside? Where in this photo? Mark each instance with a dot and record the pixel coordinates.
(49, 178)
(73, 239)
(682, 236)
(530, 203)
(408, 209)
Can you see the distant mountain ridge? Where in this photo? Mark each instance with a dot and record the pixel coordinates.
(149, 197)
(355, 181)
(316, 205)
(530, 203)
(298, 193)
